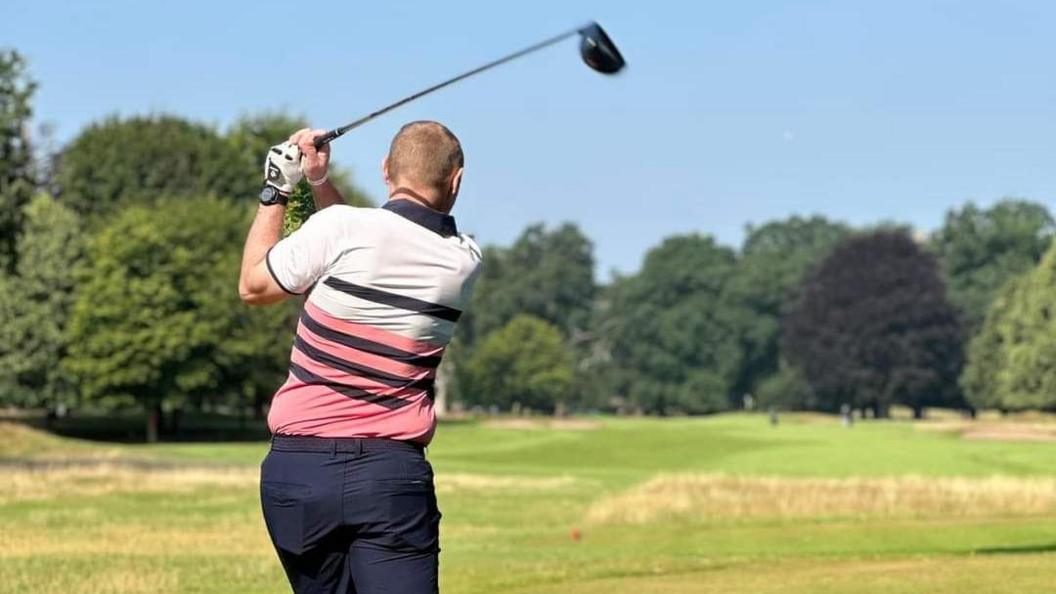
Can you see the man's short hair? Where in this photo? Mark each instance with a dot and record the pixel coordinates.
(425, 153)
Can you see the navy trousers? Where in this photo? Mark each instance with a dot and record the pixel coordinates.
(352, 515)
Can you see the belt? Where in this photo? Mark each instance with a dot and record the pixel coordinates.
(353, 445)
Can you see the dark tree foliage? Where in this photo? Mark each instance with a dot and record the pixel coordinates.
(874, 327)
(17, 177)
(137, 160)
(674, 331)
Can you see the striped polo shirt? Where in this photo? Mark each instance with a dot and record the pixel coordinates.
(386, 287)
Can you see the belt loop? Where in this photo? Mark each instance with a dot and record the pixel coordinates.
(359, 448)
(333, 449)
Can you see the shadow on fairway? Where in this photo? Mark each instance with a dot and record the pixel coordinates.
(1017, 550)
(189, 427)
(129, 427)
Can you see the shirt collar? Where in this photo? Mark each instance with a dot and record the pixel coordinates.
(433, 220)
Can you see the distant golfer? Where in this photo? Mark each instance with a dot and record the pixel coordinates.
(346, 490)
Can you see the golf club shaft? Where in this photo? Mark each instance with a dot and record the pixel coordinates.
(336, 132)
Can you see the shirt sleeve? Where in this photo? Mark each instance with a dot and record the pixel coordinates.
(301, 259)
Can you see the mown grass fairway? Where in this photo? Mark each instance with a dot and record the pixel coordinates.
(723, 504)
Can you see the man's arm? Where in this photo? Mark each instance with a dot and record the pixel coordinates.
(315, 164)
(256, 285)
(326, 194)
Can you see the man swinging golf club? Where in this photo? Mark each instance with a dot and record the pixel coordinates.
(346, 489)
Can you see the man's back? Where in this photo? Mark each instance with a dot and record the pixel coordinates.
(346, 489)
(386, 288)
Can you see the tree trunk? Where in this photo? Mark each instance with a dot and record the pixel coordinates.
(174, 421)
(258, 407)
(918, 412)
(153, 423)
(880, 411)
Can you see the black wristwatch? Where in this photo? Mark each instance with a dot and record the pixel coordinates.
(270, 195)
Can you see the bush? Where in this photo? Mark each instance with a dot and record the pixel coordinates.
(525, 362)
(787, 389)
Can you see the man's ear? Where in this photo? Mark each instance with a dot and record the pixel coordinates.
(456, 182)
(385, 169)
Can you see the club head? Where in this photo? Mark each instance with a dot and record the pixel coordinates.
(598, 51)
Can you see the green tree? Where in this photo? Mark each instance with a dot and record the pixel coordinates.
(548, 274)
(17, 177)
(986, 353)
(1024, 372)
(774, 260)
(155, 303)
(980, 249)
(254, 355)
(35, 306)
(673, 329)
(787, 389)
(874, 327)
(138, 160)
(525, 362)
(252, 135)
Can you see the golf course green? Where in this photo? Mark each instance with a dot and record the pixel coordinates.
(608, 505)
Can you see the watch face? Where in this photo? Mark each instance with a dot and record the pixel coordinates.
(268, 195)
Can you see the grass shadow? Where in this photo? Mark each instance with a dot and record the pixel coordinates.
(129, 427)
(1017, 550)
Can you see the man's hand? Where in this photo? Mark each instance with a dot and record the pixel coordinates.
(314, 162)
(282, 167)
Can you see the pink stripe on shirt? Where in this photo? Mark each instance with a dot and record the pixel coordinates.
(318, 407)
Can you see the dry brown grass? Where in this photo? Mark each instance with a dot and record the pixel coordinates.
(243, 535)
(1007, 430)
(450, 483)
(703, 497)
(21, 484)
(91, 480)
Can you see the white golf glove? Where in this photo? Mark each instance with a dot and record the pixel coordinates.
(282, 167)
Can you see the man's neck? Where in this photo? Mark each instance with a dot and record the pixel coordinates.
(427, 200)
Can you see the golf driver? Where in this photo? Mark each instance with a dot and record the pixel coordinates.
(595, 47)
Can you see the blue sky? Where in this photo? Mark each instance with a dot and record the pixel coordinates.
(729, 113)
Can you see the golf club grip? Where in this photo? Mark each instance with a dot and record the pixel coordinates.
(326, 138)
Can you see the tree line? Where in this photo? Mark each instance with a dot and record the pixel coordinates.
(119, 250)
(808, 314)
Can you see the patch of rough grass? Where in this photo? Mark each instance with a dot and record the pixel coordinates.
(20, 441)
(239, 536)
(453, 483)
(709, 497)
(1009, 431)
(41, 483)
(22, 484)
